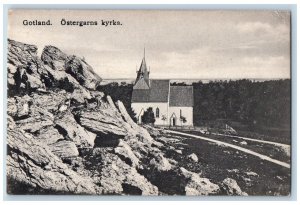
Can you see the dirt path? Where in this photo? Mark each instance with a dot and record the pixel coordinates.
(256, 140)
(261, 156)
(284, 147)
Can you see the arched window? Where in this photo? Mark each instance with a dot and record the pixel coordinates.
(157, 112)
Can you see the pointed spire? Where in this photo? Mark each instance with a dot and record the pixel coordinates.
(143, 67)
(142, 72)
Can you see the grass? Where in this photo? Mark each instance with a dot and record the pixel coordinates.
(280, 136)
(218, 162)
(269, 150)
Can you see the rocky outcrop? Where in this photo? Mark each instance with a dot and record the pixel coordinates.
(76, 67)
(54, 57)
(66, 137)
(33, 163)
(66, 123)
(25, 71)
(82, 72)
(60, 129)
(116, 176)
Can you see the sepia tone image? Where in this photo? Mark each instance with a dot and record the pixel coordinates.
(149, 102)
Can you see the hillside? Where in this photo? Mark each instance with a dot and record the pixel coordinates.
(65, 137)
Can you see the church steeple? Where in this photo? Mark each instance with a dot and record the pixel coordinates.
(143, 75)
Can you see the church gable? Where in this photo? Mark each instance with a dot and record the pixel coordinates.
(141, 85)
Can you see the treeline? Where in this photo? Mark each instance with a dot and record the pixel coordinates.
(252, 103)
(122, 92)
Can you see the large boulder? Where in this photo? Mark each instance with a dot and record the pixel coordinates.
(197, 185)
(231, 187)
(82, 72)
(54, 57)
(25, 70)
(102, 122)
(66, 124)
(76, 67)
(160, 163)
(117, 177)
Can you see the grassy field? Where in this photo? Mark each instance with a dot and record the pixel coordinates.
(253, 175)
(275, 152)
(281, 136)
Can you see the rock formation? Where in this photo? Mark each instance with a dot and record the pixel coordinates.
(64, 136)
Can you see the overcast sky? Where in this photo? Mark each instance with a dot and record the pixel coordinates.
(179, 44)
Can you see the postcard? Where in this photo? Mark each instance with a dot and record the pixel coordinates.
(149, 102)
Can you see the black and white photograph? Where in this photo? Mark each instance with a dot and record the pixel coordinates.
(148, 102)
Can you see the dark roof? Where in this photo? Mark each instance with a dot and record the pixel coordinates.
(158, 92)
(139, 95)
(181, 96)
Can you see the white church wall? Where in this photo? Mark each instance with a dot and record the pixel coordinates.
(139, 109)
(186, 112)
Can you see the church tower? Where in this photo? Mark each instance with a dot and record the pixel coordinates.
(142, 80)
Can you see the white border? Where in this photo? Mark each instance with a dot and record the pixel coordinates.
(223, 200)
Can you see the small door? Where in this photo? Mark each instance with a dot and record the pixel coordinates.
(173, 120)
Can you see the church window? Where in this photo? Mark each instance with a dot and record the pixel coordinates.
(180, 113)
(157, 112)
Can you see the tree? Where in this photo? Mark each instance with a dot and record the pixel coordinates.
(148, 116)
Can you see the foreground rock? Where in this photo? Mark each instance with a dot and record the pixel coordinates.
(231, 187)
(197, 185)
(193, 157)
(32, 163)
(67, 137)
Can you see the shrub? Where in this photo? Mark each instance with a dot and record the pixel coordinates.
(148, 116)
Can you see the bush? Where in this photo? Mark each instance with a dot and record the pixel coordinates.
(148, 116)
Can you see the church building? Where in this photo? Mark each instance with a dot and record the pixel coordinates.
(171, 105)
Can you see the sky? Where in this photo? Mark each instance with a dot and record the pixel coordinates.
(195, 44)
